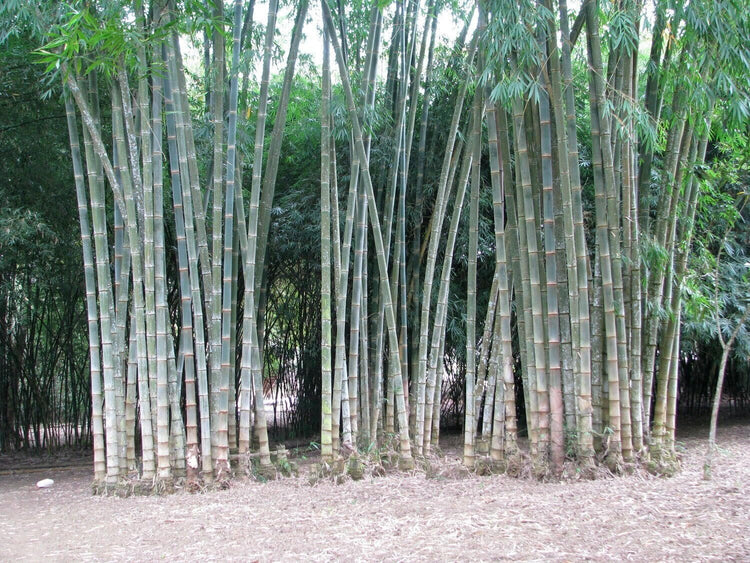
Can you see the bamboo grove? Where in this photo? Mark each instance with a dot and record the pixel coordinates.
(561, 179)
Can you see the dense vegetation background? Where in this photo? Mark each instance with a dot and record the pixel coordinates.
(671, 90)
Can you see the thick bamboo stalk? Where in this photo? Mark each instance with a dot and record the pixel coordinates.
(537, 372)
(136, 254)
(215, 378)
(228, 275)
(326, 440)
(557, 433)
(251, 362)
(471, 278)
(580, 276)
(181, 193)
(504, 413)
(97, 417)
(605, 256)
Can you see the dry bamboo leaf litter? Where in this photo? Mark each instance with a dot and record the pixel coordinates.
(399, 517)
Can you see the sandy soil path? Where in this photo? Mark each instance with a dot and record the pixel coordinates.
(398, 517)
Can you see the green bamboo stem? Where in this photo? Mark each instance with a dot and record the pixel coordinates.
(218, 415)
(434, 239)
(441, 312)
(228, 275)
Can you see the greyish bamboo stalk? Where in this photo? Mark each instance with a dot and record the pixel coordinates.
(103, 280)
(326, 440)
(557, 433)
(580, 277)
(354, 312)
(166, 398)
(613, 218)
(228, 275)
(471, 278)
(251, 362)
(401, 245)
(119, 163)
(605, 263)
(136, 254)
(218, 418)
(534, 287)
(504, 428)
(181, 194)
(97, 417)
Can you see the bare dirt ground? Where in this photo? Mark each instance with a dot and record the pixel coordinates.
(397, 517)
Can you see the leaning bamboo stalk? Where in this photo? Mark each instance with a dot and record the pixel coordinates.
(193, 197)
(251, 362)
(437, 344)
(698, 155)
(484, 389)
(427, 39)
(277, 136)
(654, 288)
(670, 336)
(436, 228)
(415, 258)
(405, 447)
(97, 418)
(487, 371)
(396, 173)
